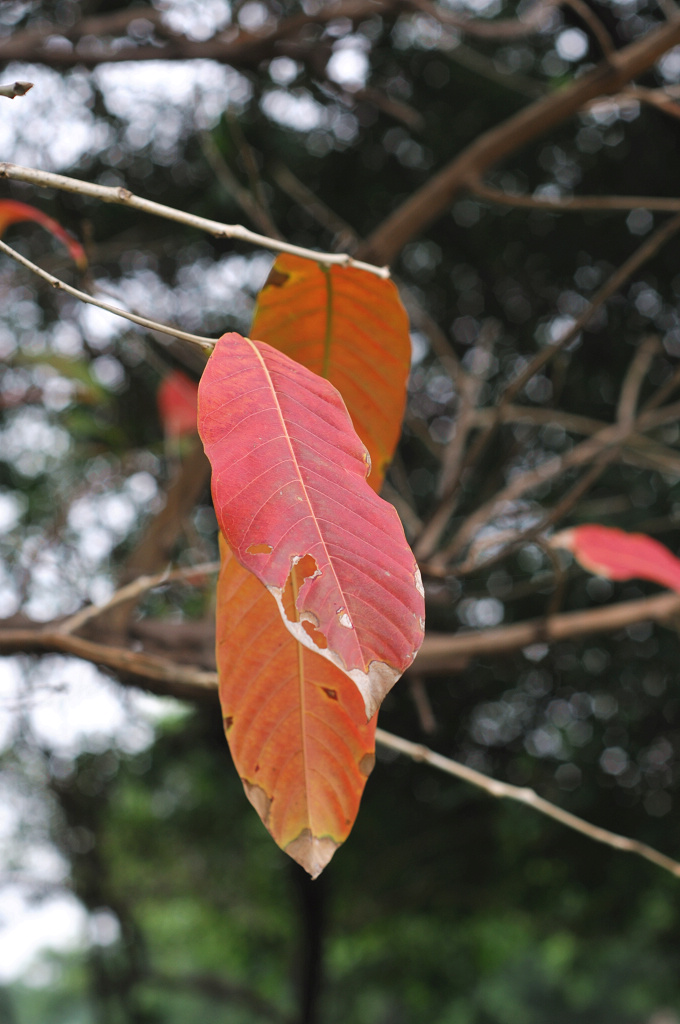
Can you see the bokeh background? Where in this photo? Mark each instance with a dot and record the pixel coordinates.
(136, 883)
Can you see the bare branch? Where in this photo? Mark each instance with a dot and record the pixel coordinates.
(133, 590)
(567, 204)
(443, 651)
(207, 344)
(151, 672)
(239, 48)
(664, 100)
(233, 187)
(637, 371)
(588, 16)
(580, 455)
(122, 196)
(537, 19)
(437, 194)
(523, 795)
(434, 530)
(153, 550)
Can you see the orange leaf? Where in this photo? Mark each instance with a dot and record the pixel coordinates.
(620, 556)
(289, 484)
(295, 723)
(11, 212)
(177, 399)
(305, 777)
(351, 328)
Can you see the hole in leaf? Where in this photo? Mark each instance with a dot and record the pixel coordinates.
(306, 567)
(228, 722)
(331, 694)
(315, 634)
(259, 549)
(344, 618)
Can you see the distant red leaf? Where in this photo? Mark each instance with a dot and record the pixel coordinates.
(12, 212)
(289, 483)
(295, 723)
(618, 555)
(177, 399)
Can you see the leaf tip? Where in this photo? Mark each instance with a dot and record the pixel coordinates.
(312, 852)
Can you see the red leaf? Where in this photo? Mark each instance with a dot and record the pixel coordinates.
(11, 212)
(295, 723)
(620, 556)
(177, 399)
(289, 483)
(351, 328)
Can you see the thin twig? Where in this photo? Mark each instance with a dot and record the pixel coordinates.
(207, 344)
(134, 590)
(310, 201)
(233, 187)
(665, 391)
(421, 702)
(249, 161)
(596, 26)
(122, 196)
(662, 99)
(637, 371)
(488, 149)
(536, 19)
(452, 459)
(583, 453)
(628, 400)
(524, 795)
(442, 514)
(567, 204)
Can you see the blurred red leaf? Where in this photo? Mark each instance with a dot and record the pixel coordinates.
(618, 555)
(12, 212)
(177, 399)
(289, 484)
(295, 723)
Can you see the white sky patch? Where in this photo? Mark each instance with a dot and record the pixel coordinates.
(197, 19)
(28, 133)
(572, 44)
(77, 709)
(30, 442)
(11, 510)
(10, 694)
(253, 15)
(669, 65)
(171, 90)
(349, 64)
(98, 326)
(299, 110)
(58, 922)
(284, 70)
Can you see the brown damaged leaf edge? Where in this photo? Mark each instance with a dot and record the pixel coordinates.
(311, 852)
